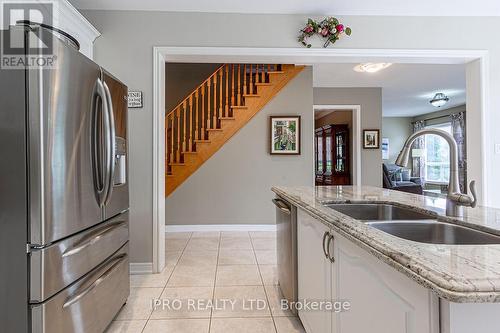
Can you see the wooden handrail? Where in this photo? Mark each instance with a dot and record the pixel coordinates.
(198, 87)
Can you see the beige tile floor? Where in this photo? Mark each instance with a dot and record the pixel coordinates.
(210, 266)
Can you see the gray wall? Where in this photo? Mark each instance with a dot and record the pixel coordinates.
(370, 100)
(182, 78)
(126, 49)
(396, 129)
(233, 186)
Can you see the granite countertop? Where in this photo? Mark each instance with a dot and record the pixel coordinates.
(457, 273)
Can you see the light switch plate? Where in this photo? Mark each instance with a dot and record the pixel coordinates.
(497, 148)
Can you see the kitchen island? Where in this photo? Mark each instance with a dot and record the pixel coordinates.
(393, 284)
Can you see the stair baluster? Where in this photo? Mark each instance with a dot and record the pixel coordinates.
(214, 111)
(239, 85)
(221, 95)
(250, 77)
(226, 109)
(178, 152)
(197, 115)
(190, 124)
(209, 119)
(203, 127)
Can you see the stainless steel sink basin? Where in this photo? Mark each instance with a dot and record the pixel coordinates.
(379, 212)
(414, 226)
(435, 232)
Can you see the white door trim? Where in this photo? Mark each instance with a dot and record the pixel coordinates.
(356, 137)
(158, 161)
(162, 54)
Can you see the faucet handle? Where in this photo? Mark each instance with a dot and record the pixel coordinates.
(472, 187)
(462, 199)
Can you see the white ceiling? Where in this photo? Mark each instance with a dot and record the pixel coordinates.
(406, 88)
(321, 7)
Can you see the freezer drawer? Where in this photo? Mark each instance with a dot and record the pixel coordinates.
(60, 264)
(90, 304)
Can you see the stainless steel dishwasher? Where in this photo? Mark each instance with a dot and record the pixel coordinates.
(286, 224)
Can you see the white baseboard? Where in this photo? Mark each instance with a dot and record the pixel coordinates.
(141, 268)
(220, 227)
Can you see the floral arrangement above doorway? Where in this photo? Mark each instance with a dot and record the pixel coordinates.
(330, 29)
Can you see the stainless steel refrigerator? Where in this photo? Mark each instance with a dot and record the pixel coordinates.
(63, 192)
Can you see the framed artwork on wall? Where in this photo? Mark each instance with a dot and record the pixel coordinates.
(371, 139)
(284, 135)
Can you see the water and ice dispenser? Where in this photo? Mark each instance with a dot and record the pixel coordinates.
(120, 161)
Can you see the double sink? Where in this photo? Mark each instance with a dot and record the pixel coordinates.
(413, 225)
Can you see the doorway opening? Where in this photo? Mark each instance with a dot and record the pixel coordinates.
(334, 150)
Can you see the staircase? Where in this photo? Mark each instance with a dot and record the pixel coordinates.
(207, 118)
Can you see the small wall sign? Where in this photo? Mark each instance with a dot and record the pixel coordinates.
(135, 99)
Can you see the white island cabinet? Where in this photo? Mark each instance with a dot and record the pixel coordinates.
(381, 299)
(392, 284)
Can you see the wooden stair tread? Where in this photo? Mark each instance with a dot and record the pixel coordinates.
(178, 164)
(202, 141)
(251, 95)
(263, 84)
(190, 152)
(276, 72)
(214, 129)
(227, 118)
(239, 107)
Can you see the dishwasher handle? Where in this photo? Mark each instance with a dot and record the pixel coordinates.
(282, 205)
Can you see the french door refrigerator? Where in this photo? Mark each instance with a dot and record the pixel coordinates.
(63, 192)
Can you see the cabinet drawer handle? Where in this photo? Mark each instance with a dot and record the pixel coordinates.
(325, 250)
(330, 239)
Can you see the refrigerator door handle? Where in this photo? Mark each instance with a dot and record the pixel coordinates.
(112, 144)
(108, 142)
(100, 178)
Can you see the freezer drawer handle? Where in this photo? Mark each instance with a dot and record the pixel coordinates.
(92, 238)
(282, 206)
(112, 265)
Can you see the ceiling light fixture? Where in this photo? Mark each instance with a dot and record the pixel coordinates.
(371, 67)
(439, 100)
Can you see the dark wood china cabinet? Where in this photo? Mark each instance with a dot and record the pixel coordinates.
(332, 155)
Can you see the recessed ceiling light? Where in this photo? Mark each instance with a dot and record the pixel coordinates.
(439, 100)
(371, 67)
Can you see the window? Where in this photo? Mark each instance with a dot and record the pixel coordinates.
(437, 156)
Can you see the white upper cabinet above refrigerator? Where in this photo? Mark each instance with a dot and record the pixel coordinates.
(70, 20)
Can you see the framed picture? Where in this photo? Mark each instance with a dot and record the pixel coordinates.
(285, 135)
(371, 139)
